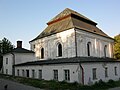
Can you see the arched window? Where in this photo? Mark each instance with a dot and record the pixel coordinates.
(88, 48)
(59, 50)
(42, 53)
(105, 50)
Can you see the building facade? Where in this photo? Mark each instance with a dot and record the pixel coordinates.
(72, 48)
(17, 56)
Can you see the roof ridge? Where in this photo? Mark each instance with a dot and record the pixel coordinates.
(66, 13)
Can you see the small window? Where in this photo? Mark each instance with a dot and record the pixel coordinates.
(23, 73)
(40, 74)
(67, 75)
(106, 72)
(59, 50)
(115, 69)
(42, 53)
(55, 72)
(18, 72)
(94, 73)
(6, 60)
(33, 73)
(33, 46)
(6, 71)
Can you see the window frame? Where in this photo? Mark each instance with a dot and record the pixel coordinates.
(59, 50)
(33, 73)
(55, 74)
(106, 72)
(94, 72)
(42, 53)
(67, 75)
(89, 49)
(6, 60)
(105, 51)
(18, 72)
(115, 69)
(40, 74)
(23, 73)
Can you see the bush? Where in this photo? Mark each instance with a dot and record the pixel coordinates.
(100, 85)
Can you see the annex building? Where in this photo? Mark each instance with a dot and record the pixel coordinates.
(71, 48)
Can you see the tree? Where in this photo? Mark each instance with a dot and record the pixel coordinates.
(117, 47)
(5, 47)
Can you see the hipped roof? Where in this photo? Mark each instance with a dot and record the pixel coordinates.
(20, 50)
(68, 19)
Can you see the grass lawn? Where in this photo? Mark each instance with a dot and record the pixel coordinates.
(55, 85)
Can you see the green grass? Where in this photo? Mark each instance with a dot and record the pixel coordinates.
(55, 85)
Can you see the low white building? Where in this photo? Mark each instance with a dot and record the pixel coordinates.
(17, 56)
(71, 48)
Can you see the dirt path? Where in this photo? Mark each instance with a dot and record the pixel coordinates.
(10, 85)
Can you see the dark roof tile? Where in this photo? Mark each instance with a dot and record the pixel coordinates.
(69, 60)
(21, 50)
(68, 19)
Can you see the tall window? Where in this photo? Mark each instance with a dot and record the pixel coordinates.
(6, 60)
(23, 73)
(55, 72)
(42, 53)
(88, 48)
(33, 73)
(18, 72)
(94, 73)
(105, 50)
(59, 50)
(106, 72)
(40, 74)
(115, 69)
(67, 75)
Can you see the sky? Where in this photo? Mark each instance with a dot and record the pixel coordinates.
(26, 19)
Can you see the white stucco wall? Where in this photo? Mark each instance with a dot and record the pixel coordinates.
(19, 58)
(9, 65)
(75, 71)
(97, 44)
(47, 71)
(49, 43)
(24, 57)
(100, 71)
(67, 39)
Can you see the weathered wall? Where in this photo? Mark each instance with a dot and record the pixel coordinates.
(47, 71)
(97, 44)
(19, 58)
(9, 65)
(100, 71)
(66, 38)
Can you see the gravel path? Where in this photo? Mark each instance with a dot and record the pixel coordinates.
(11, 85)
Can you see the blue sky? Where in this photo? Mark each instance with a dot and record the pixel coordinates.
(25, 19)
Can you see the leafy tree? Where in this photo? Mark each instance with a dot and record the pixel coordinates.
(117, 47)
(5, 47)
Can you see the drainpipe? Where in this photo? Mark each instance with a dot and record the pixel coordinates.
(75, 43)
(82, 73)
(13, 67)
